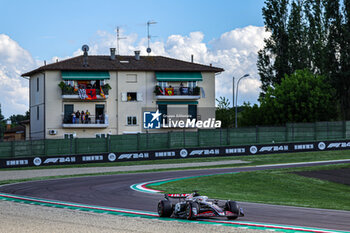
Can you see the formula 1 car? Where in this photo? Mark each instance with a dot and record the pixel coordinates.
(192, 206)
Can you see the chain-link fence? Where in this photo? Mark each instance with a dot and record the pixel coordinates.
(296, 132)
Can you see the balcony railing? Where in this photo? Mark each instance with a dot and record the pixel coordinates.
(177, 92)
(69, 92)
(86, 122)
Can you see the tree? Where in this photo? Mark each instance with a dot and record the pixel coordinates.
(16, 119)
(301, 97)
(273, 61)
(2, 124)
(224, 113)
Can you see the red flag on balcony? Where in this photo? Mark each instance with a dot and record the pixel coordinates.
(91, 94)
(169, 91)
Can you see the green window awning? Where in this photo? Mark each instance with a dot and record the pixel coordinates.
(85, 75)
(178, 76)
(177, 102)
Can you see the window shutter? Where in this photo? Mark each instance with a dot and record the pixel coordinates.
(124, 97)
(139, 96)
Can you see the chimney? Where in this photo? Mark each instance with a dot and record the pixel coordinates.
(137, 55)
(8, 125)
(112, 53)
(192, 58)
(85, 59)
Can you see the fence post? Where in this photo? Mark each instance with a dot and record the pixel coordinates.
(13, 154)
(315, 131)
(327, 131)
(344, 129)
(286, 129)
(76, 145)
(45, 147)
(257, 133)
(198, 137)
(138, 141)
(169, 139)
(220, 137)
(228, 136)
(71, 145)
(184, 138)
(31, 147)
(147, 139)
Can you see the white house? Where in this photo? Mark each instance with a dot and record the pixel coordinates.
(116, 91)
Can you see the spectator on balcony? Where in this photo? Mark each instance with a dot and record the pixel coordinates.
(82, 115)
(73, 117)
(87, 117)
(181, 88)
(77, 116)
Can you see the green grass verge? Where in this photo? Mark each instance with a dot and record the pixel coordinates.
(253, 159)
(281, 187)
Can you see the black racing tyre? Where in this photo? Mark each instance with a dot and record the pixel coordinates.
(233, 207)
(189, 210)
(165, 208)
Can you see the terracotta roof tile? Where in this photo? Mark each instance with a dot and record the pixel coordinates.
(146, 63)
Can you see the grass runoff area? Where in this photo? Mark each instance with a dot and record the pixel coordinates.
(280, 186)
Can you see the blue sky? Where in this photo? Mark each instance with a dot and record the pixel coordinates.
(225, 33)
(57, 28)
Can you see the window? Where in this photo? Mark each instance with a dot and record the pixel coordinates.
(192, 111)
(37, 84)
(68, 136)
(163, 84)
(131, 120)
(101, 135)
(68, 114)
(131, 78)
(132, 96)
(37, 112)
(163, 109)
(69, 82)
(192, 84)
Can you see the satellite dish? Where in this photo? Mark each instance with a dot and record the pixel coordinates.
(85, 48)
(149, 50)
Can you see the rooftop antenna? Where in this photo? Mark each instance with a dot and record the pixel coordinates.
(119, 38)
(149, 36)
(85, 48)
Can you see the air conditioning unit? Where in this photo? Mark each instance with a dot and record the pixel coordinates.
(52, 132)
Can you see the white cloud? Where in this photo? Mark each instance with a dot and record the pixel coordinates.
(235, 51)
(14, 60)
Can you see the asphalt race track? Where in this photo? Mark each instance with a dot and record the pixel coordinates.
(114, 191)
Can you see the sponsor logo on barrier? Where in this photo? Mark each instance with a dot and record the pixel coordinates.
(37, 161)
(253, 149)
(60, 160)
(92, 158)
(304, 147)
(183, 153)
(339, 145)
(234, 150)
(17, 162)
(112, 157)
(321, 146)
(205, 152)
(273, 148)
(134, 156)
(165, 154)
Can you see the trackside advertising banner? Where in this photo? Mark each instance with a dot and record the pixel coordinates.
(175, 154)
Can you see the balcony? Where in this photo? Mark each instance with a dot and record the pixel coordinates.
(72, 93)
(91, 123)
(177, 93)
